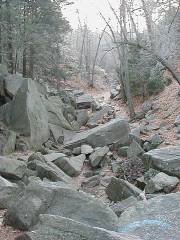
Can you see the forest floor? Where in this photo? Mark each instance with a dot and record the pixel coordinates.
(166, 103)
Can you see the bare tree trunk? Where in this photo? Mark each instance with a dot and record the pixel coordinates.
(119, 57)
(82, 50)
(149, 24)
(0, 32)
(125, 63)
(31, 61)
(96, 55)
(24, 47)
(9, 40)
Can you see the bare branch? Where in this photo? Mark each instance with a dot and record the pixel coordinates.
(174, 18)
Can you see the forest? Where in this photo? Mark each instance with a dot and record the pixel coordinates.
(89, 119)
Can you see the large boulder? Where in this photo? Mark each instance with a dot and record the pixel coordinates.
(24, 209)
(7, 192)
(54, 107)
(27, 114)
(12, 169)
(82, 117)
(119, 189)
(84, 101)
(57, 227)
(116, 131)
(71, 166)
(7, 141)
(121, 206)
(165, 159)
(48, 170)
(98, 116)
(161, 182)
(13, 83)
(157, 218)
(23, 212)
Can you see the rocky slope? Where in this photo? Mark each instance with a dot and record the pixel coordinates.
(94, 174)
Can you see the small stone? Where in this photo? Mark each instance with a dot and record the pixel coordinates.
(177, 121)
(86, 149)
(91, 182)
(122, 151)
(97, 156)
(141, 183)
(76, 151)
(36, 156)
(134, 150)
(115, 167)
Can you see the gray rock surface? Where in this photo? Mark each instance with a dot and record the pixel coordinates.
(12, 169)
(56, 117)
(165, 159)
(23, 212)
(97, 156)
(123, 205)
(53, 157)
(84, 101)
(118, 190)
(71, 166)
(28, 114)
(98, 116)
(49, 170)
(134, 150)
(75, 165)
(161, 182)
(86, 149)
(56, 228)
(13, 83)
(7, 192)
(116, 131)
(147, 106)
(7, 142)
(122, 151)
(82, 117)
(157, 218)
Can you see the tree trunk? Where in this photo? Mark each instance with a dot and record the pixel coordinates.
(149, 24)
(125, 67)
(1, 32)
(96, 55)
(24, 47)
(9, 40)
(31, 62)
(119, 57)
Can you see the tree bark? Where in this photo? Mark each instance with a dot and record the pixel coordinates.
(24, 47)
(119, 57)
(1, 32)
(96, 55)
(9, 40)
(149, 24)
(125, 68)
(31, 62)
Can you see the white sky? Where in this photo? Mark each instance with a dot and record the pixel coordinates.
(89, 10)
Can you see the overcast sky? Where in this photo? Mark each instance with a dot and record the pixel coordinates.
(89, 9)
